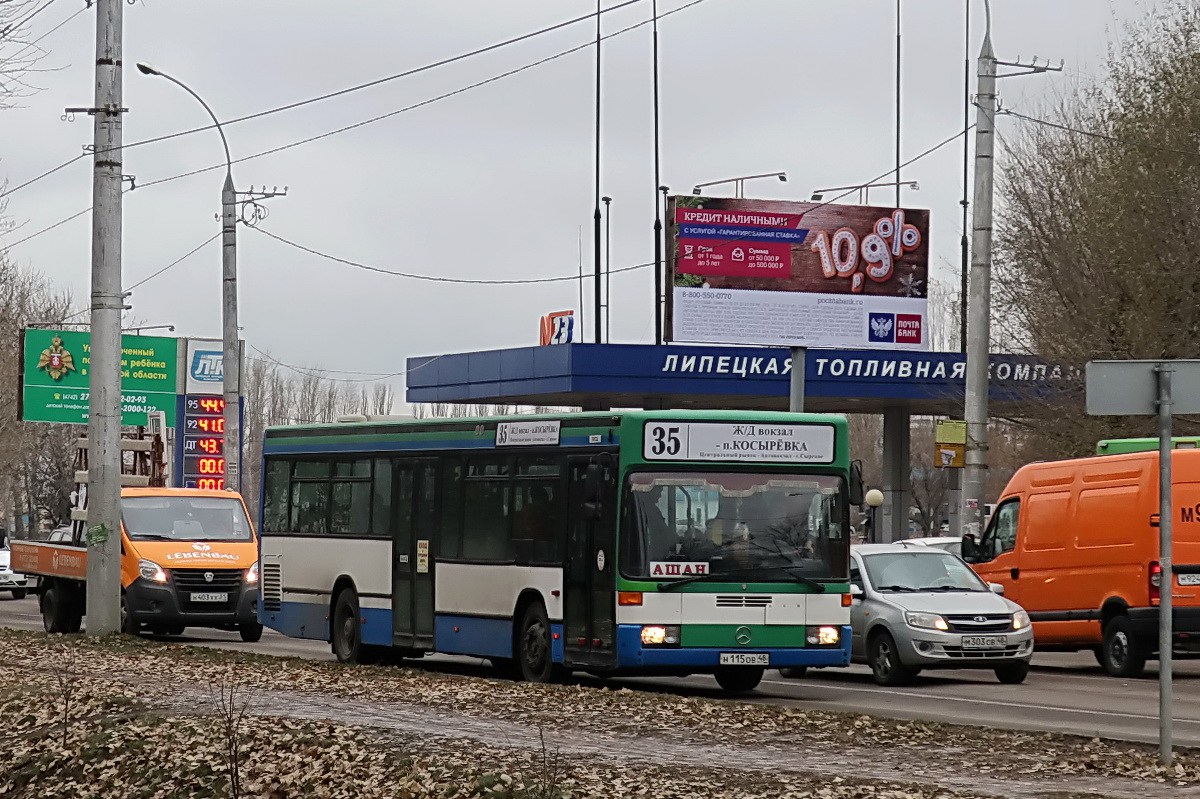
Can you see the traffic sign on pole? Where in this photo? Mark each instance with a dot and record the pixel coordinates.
(1152, 388)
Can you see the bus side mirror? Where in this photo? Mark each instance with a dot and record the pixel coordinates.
(856, 484)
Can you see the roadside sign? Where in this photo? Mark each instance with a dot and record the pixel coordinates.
(950, 431)
(1130, 388)
(1162, 389)
(55, 381)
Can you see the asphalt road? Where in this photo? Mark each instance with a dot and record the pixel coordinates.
(1064, 693)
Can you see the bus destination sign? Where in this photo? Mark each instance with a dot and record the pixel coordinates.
(759, 442)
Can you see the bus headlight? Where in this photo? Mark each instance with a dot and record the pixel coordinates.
(823, 636)
(660, 635)
(252, 574)
(149, 570)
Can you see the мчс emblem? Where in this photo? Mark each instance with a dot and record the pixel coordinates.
(56, 360)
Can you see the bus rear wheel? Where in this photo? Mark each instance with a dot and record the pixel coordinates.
(533, 644)
(346, 630)
(739, 679)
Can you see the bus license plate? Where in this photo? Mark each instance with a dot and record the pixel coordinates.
(745, 659)
(984, 641)
(1188, 579)
(210, 597)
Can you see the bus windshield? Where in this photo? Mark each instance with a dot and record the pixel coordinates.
(745, 526)
(185, 518)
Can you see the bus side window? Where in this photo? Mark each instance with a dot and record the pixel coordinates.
(450, 540)
(275, 496)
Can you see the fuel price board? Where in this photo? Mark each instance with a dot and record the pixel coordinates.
(203, 442)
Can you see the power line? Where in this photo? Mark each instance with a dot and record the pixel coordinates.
(145, 280)
(344, 129)
(560, 278)
(351, 89)
(1095, 135)
(16, 26)
(436, 278)
(321, 373)
(177, 261)
(415, 106)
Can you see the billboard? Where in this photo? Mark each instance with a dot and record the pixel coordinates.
(556, 328)
(797, 274)
(54, 376)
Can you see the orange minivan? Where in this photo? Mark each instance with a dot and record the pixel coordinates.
(1076, 544)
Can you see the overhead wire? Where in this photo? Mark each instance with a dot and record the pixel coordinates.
(341, 130)
(348, 90)
(322, 373)
(147, 279)
(422, 103)
(16, 26)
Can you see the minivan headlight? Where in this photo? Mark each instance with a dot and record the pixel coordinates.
(149, 570)
(926, 621)
(1020, 620)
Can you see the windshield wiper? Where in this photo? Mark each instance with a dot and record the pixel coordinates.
(899, 588)
(946, 588)
(813, 584)
(150, 537)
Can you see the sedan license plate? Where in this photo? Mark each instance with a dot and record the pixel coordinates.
(984, 641)
(210, 597)
(745, 659)
(1188, 579)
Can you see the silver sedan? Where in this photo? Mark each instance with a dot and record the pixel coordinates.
(919, 607)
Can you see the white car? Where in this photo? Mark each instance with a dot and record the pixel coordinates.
(947, 543)
(9, 580)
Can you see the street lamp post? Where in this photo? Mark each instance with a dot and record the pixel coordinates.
(874, 499)
(864, 189)
(231, 356)
(607, 269)
(739, 183)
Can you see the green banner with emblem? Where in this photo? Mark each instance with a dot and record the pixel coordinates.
(54, 377)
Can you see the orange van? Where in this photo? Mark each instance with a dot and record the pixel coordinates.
(1075, 543)
(189, 558)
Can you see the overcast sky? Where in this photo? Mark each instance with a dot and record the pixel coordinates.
(496, 182)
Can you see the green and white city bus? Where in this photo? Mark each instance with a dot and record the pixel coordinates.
(649, 543)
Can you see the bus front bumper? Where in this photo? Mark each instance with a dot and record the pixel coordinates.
(633, 654)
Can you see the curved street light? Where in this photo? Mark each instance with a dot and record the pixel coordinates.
(739, 183)
(231, 388)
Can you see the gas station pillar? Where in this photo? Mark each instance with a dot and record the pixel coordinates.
(897, 472)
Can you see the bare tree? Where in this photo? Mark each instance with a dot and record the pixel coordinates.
(231, 700)
(1097, 240)
(21, 55)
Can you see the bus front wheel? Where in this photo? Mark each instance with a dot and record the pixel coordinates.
(739, 679)
(533, 643)
(347, 632)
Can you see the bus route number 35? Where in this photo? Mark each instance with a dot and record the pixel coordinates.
(663, 441)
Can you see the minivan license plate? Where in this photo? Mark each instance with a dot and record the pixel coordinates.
(984, 641)
(745, 659)
(1188, 579)
(210, 597)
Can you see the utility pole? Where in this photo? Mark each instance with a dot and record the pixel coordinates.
(596, 216)
(980, 286)
(104, 368)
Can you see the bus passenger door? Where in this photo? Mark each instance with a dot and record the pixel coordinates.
(425, 497)
(589, 609)
(403, 554)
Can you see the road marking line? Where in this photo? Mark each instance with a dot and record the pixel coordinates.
(913, 694)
